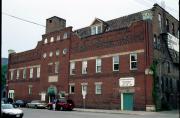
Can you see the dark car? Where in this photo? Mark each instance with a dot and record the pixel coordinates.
(8, 111)
(20, 103)
(62, 104)
(36, 104)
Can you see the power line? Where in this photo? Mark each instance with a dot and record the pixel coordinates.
(22, 19)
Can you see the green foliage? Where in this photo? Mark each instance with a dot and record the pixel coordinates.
(153, 67)
(3, 74)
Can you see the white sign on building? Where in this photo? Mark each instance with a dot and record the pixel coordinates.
(173, 42)
(126, 82)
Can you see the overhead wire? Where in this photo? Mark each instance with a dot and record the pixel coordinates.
(22, 19)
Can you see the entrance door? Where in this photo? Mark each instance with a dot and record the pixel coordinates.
(127, 101)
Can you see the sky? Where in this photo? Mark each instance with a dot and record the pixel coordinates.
(21, 36)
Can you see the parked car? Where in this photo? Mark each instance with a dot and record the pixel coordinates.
(62, 104)
(20, 103)
(36, 104)
(8, 111)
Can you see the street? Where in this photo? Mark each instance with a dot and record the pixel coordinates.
(44, 113)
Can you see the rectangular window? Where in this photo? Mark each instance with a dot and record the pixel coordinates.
(30, 89)
(167, 25)
(98, 89)
(173, 29)
(168, 67)
(84, 67)
(116, 63)
(50, 68)
(84, 88)
(56, 67)
(12, 74)
(71, 89)
(17, 74)
(24, 73)
(133, 61)
(72, 68)
(96, 29)
(98, 65)
(58, 37)
(31, 73)
(38, 72)
(160, 23)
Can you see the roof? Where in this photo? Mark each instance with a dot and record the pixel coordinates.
(113, 24)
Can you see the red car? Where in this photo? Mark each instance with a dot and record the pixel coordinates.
(62, 104)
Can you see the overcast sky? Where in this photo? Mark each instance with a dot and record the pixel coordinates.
(21, 36)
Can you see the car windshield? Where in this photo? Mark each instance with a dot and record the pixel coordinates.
(7, 106)
(19, 101)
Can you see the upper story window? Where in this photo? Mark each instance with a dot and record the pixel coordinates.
(65, 35)
(116, 63)
(98, 65)
(44, 55)
(71, 88)
(72, 68)
(50, 68)
(57, 52)
(173, 29)
(98, 88)
(58, 37)
(84, 67)
(51, 54)
(38, 72)
(56, 67)
(133, 61)
(45, 41)
(160, 23)
(24, 73)
(17, 74)
(12, 74)
(96, 29)
(31, 73)
(168, 67)
(52, 39)
(167, 25)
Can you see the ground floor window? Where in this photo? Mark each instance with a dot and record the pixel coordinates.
(11, 94)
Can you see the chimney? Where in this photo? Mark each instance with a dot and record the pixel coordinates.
(54, 24)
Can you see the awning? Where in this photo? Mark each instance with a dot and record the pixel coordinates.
(52, 90)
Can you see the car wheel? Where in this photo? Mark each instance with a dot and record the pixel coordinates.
(35, 107)
(61, 108)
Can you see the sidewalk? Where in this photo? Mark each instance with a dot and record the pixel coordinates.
(115, 111)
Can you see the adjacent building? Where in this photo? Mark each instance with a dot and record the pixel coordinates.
(127, 63)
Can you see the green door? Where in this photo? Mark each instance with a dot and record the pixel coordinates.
(127, 101)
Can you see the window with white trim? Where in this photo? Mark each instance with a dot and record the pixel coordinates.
(72, 68)
(133, 61)
(52, 39)
(58, 37)
(84, 88)
(96, 29)
(160, 23)
(12, 74)
(57, 52)
(30, 89)
(56, 67)
(98, 88)
(71, 88)
(24, 73)
(17, 74)
(31, 73)
(38, 72)
(11, 94)
(65, 35)
(98, 65)
(84, 67)
(45, 41)
(51, 54)
(115, 63)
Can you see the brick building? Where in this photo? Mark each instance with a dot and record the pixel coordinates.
(111, 61)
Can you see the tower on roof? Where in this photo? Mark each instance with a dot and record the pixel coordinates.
(55, 23)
